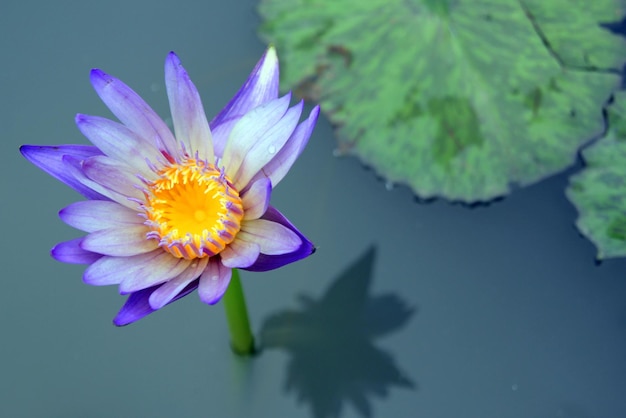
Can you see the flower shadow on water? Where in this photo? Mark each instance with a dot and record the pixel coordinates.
(330, 341)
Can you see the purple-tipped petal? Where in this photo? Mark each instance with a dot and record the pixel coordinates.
(137, 305)
(160, 269)
(118, 142)
(50, 160)
(265, 148)
(71, 252)
(249, 129)
(94, 215)
(132, 110)
(260, 87)
(115, 176)
(214, 282)
(267, 262)
(112, 270)
(278, 167)
(190, 122)
(256, 199)
(120, 242)
(240, 254)
(168, 290)
(272, 237)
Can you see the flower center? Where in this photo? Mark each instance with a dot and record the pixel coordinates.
(193, 210)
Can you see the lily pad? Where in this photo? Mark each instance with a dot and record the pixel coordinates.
(599, 191)
(455, 98)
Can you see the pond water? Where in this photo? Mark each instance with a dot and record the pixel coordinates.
(406, 309)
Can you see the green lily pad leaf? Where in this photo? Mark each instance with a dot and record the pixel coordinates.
(599, 191)
(455, 98)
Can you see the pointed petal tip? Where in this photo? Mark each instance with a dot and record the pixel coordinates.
(25, 150)
(271, 54)
(315, 112)
(217, 299)
(96, 75)
(172, 58)
(122, 319)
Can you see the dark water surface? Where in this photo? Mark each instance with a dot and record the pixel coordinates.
(406, 309)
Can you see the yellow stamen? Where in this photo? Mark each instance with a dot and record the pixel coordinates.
(192, 209)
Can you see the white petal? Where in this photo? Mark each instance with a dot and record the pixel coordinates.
(75, 169)
(249, 129)
(214, 282)
(169, 290)
(240, 254)
(120, 242)
(94, 215)
(119, 142)
(278, 167)
(133, 111)
(112, 270)
(190, 123)
(256, 199)
(266, 147)
(272, 237)
(160, 269)
(260, 87)
(114, 176)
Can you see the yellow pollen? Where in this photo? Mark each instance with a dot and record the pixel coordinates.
(193, 210)
(200, 215)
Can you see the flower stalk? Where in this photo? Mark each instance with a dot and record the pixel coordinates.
(241, 339)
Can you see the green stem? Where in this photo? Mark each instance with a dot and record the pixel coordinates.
(241, 339)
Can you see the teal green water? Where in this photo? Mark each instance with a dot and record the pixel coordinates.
(495, 311)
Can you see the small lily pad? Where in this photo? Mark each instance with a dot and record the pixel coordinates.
(599, 191)
(459, 98)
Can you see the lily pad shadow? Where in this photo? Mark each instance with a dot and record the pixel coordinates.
(330, 340)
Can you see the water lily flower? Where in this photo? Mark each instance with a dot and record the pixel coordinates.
(168, 213)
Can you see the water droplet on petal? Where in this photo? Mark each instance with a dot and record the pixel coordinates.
(271, 149)
(214, 278)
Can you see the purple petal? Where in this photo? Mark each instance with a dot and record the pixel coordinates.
(94, 215)
(267, 262)
(133, 111)
(239, 254)
(160, 269)
(278, 167)
(168, 290)
(249, 129)
(71, 252)
(190, 123)
(113, 270)
(256, 199)
(120, 242)
(75, 168)
(214, 282)
(119, 142)
(265, 148)
(50, 160)
(260, 87)
(273, 238)
(137, 305)
(115, 176)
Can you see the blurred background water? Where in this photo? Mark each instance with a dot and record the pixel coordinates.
(405, 310)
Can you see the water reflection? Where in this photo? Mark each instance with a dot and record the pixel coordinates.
(331, 343)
